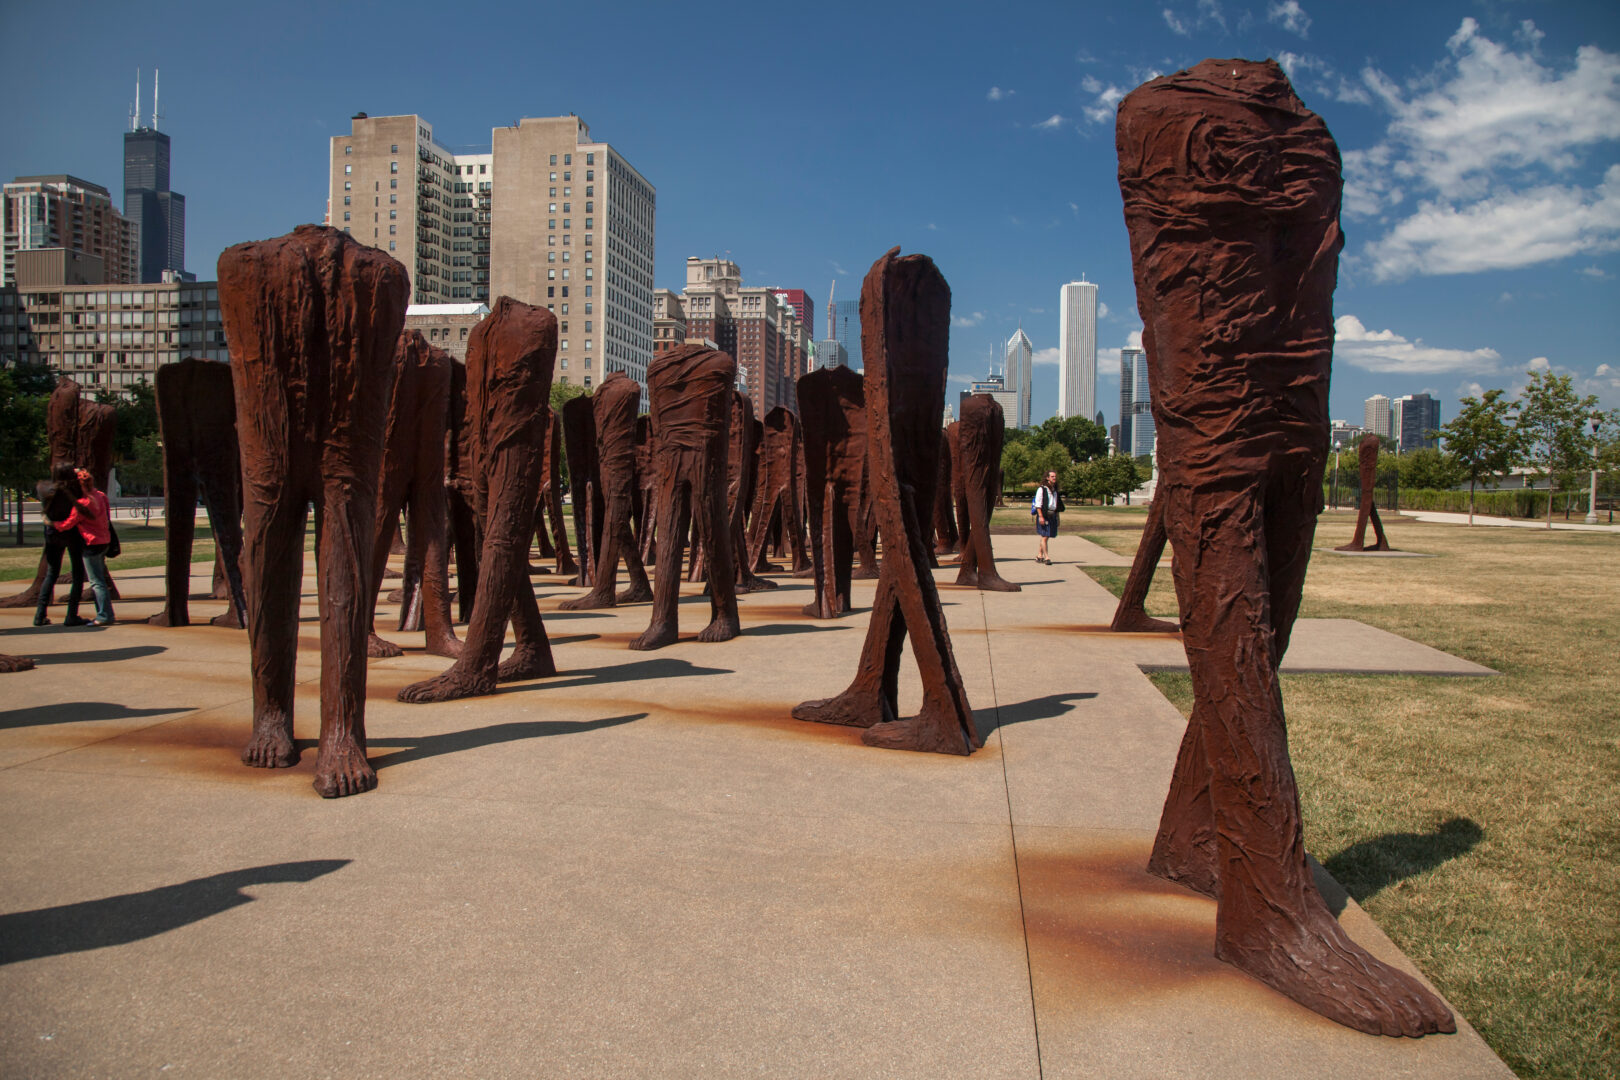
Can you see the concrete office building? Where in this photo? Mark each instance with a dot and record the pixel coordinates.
(1018, 363)
(569, 225)
(1376, 416)
(1136, 428)
(446, 326)
(669, 321)
(1077, 349)
(830, 352)
(847, 329)
(1412, 417)
(759, 331)
(995, 386)
(804, 309)
(75, 217)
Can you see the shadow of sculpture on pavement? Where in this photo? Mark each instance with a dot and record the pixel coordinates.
(313, 318)
(1131, 616)
(979, 436)
(1367, 458)
(451, 742)
(832, 416)
(1231, 190)
(510, 355)
(905, 337)
(613, 456)
(120, 920)
(691, 389)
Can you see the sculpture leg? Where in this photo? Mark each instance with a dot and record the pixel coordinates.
(224, 504)
(464, 525)
(716, 530)
(673, 503)
(978, 563)
(1378, 530)
(820, 548)
(344, 530)
(273, 547)
(430, 536)
(1271, 922)
(1131, 615)
(179, 532)
(873, 696)
(390, 498)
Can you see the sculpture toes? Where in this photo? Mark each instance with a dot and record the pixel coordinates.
(163, 618)
(918, 734)
(344, 770)
(722, 629)
(654, 638)
(377, 648)
(634, 595)
(270, 749)
(525, 664)
(444, 688)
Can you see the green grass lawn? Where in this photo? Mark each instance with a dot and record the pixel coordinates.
(1475, 819)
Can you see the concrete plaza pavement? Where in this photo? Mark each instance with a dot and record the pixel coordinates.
(639, 867)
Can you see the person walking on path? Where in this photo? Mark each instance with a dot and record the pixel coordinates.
(1046, 506)
(58, 505)
(92, 516)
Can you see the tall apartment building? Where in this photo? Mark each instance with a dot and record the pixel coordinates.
(1077, 349)
(569, 226)
(111, 336)
(847, 329)
(1018, 364)
(669, 321)
(1412, 417)
(761, 332)
(159, 212)
(804, 309)
(76, 216)
(1376, 416)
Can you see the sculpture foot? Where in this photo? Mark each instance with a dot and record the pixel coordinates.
(635, 594)
(448, 646)
(852, 708)
(866, 573)
(968, 578)
(377, 648)
(525, 663)
(767, 568)
(654, 637)
(450, 686)
(723, 628)
(230, 619)
(1312, 960)
(164, 618)
(1139, 622)
(568, 567)
(755, 584)
(994, 582)
(589, 602)
(271, 746)
(11, 664)
(395, 596)
(920, 733)
(804, 571)
(341, 769)
(1190, 864)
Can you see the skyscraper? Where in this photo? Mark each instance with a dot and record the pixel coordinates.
(1018, 357)
(1133, 367)
(1412, 418)
(759, 330)
(803, 307)
(159, 212)
(1376, 416)
(1077, 349)
(848, 330)
(61, 211)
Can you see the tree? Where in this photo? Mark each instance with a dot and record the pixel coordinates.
(1083, 439)
(144, 470)
(1481, 442)
(562, 392)
(1017, 464)
(24, 450)
(1552, 428)
(1429, 468)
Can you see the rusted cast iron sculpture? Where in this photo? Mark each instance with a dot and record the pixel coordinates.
(646, 488)
(776, 499)
(196, 408)
(412, 478)
(11, 664)
(510, 355)
(979, 436)
(550, 532)
(742, 459)
(614, 405)
(905, 335)
(947, 540)
(1131, 616)
(832, 412)
(313, 318)
(584, 486)
(459, 487)
(1231, 189)
(1367, 453)
(691, 392)
(79, 433)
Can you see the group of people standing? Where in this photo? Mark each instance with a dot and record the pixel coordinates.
(79, 524)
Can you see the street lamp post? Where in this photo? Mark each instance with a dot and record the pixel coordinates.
(1591, 502)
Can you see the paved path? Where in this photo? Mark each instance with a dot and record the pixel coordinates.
(640, 867)
(1574, 524)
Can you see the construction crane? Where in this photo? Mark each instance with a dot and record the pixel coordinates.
(832, 322)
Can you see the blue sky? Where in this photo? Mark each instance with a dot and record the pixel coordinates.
(1482, 146)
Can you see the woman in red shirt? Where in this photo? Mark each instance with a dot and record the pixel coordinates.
(92, 516)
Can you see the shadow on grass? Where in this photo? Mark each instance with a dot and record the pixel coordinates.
(72, 712)
(1041, 708)
(119, 920)
(1368, 867)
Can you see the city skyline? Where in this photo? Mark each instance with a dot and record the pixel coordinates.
(1470, 257)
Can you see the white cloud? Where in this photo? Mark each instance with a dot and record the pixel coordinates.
(1505, 298)
(1051, 123)
(1104, 99)
(1102, 310)
(1594, 271)
(1296, 65)
(1108, 360)
(1045, 356)
(1210, 11)
(1177, 26)
(1075, 208)
(997, 93)
(931, 227)
(1502, 232)
(837, 268)
(1290, 16)
(974, 319)
(1540, 363)
(1386, 351)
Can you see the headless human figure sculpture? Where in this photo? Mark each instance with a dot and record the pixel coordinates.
(1231, 190)
(777, 495)
(412, 478)
(832, 410)
(947, 540)
(553, 540)
(905, 336)
(691, 391)
(510, 356)
(614, 405)
(979, 437)
(313, 318)
(196, 408)
(584, 485)
(741, 461)
(1367, 453)
(1131, 616)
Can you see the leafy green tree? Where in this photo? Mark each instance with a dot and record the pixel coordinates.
(562, 392)
(1082, 438)
(1427, 467)
(1017, 464)
(1553, 429)
(24, 451)
(143, 470)
(1481, 441)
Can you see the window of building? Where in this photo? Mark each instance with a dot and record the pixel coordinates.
(345, 200)
(565, 311)
(551, 241)
(552, 207)
(347, 185)
(391, 245)
(551, 256)
(567, 256)
(589, 273)
(565, 288)
(393, 198)
(551, 275)
(348, 169)
(348, 149)
(345, 215)
(481, 170)
(553, 178)
(393, 148)
(551, 291)
(566, 273)
(553, 193)
(563, 344)
(587, 344)
(590, 223)
(393, 230)
(588, 289)
(393, 183)
(554, 159)
(590, 159)
(392, 214)
(568, 223)
(568, 159)
(551, 223)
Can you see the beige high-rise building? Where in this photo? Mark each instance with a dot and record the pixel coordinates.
(570, 226)
(752, 323)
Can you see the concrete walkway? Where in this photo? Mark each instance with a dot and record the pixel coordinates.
(640, 867)
(1574, 524)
